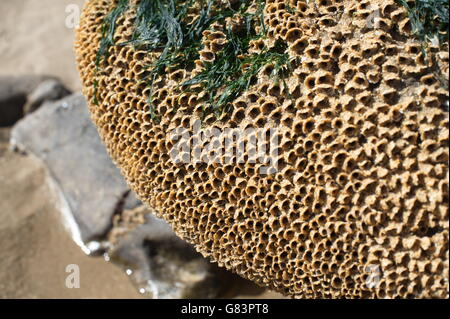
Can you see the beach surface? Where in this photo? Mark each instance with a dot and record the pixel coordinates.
(36, 37)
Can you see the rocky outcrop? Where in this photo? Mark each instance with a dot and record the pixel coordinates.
(23, 94)
(62, 135)
(49, 90)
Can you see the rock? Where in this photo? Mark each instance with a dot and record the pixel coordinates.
(131, 201)
(13, 96)
(21, 84)
(11, 109)
(163, 266)
(63, 136)
(49, 90)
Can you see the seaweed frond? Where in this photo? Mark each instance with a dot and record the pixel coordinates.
(429, 19)
(164, 27)
(233, 72)
(108, 30)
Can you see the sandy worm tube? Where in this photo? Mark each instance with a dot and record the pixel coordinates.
(358, 204)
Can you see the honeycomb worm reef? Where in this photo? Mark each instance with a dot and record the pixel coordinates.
(358, 207)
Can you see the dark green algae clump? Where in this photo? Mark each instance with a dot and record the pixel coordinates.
(164, 26)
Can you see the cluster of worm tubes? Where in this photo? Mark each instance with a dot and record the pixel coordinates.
(358, 206)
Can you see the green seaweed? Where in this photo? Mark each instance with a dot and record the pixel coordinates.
(429, 19)
(107, 40)
(108, 29)
(430, 22)
(226, 78)
(163, 27)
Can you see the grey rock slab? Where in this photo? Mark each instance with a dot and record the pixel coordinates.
(14, 91)
(21, 84)
(49, 90)
(131, 201)
(62, 135)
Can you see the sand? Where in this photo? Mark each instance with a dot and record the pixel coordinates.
(34, 39)
(35, 249)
